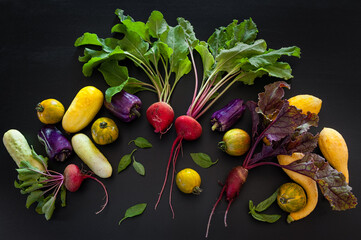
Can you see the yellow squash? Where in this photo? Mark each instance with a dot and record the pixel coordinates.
(50, 111)
(334, 148)
(104, 131)
(188, 181)
(307, 103)
(307, 183)
(82, 109)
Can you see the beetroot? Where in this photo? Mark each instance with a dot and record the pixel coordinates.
(160, 115)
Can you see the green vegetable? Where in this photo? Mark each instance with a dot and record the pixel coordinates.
(154, 46)
(262, 206)
(139, 168)
(125, 161)
(134, 211)
(141, 142)
(203, 160)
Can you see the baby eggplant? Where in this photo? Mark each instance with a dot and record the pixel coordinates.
(57, 146)
(224, 118)
(125, 106)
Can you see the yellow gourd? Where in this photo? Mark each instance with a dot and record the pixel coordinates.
(82, 109)
(50, 111)
(188, 181)
(334, 149)
(307, 183)
(307, 103)
(104, 131)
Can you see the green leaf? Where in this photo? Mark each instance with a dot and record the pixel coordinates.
(63, 196)
(156, 24)
(269, 218)
(271, 56)
(266, 203)
(125, 161)
(88, 39)
(33, 197)
(229, 58)
(121, 16)
(139, 168)
(188, 30)
(207, 58)
(141, 142)
(41, 159)
(203, 160)
(133, 211)
(158, 50)
(113, 74)
(110, 92)
(48, 207)
(137, 27)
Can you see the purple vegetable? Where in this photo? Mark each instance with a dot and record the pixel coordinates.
(57, 146)
(125, 106)
(224, 118)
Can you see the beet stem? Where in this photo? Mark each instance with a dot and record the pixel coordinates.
(179, 138)
(105, 190)
(175, 157)
(214, 207)
(226, 213)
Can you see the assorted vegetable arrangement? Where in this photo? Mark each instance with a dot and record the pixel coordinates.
(280, 127)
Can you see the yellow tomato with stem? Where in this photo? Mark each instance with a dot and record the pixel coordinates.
(104, 131)
(188, 181)
(50, 111)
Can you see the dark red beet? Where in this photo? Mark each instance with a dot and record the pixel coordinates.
(160, 115)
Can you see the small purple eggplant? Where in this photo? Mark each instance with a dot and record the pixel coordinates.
(125, 106)
(224, 118)
(57, 146)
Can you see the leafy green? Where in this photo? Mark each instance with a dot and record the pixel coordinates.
(203, 160)
(133, 211)
(125, 161)
(262, 206)
(141, 142)
(154, 46)
(139, 168)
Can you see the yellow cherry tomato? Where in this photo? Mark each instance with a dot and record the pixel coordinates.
(50, 111)
(104, 131)
(188, 181)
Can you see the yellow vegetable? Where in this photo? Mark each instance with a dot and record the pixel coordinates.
(104, 131)
(334, 149)
(19, 149)
(307, 103)
(308, 184)
(188, 181)
(236, 142)
(50, 111)
(91, 156)
(291, 197)
(82, 109)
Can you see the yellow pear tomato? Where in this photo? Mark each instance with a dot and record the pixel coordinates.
(50, 111)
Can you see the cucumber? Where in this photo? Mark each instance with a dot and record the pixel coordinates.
(19, 149)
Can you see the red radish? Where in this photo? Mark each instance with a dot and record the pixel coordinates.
(235, 180)
(160, 115)
(73, 178)
(188, 128)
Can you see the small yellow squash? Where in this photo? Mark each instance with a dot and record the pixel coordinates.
(82, 109)
(307, 103)
(307, 183)
(334, 148)
(104, 131)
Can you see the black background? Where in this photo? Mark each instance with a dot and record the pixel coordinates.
(38, 61)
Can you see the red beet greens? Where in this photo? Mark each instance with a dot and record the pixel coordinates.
(232, 54)
(44, 187)
(286, 130)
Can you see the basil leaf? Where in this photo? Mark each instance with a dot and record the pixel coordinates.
(125, 161)
(202, 160)
(139, 168)
(266, 203)
(265, 217)
(134, 211)
(141, 142)
(33, 197)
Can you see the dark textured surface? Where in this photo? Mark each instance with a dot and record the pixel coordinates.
(38, 61)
